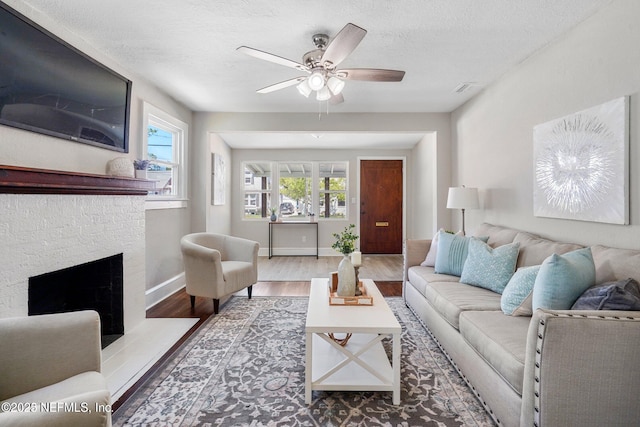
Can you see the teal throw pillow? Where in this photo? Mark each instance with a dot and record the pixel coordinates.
(517, 295)
(562, 279)
(452, 253)
(489, 268)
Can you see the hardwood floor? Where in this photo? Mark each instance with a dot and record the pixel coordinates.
(178, 305)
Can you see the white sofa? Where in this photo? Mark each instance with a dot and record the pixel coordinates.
(554, 368)
(50, 371)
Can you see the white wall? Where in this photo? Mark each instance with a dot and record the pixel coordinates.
(23, 148)
(596, 62)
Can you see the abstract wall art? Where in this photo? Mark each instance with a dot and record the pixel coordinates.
(581, 165)
(218, 180)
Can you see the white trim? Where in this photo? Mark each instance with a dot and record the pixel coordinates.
(306, 251)
(160, 292)
(181, 130)
(151, 204)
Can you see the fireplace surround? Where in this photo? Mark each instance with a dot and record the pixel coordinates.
(53, 220)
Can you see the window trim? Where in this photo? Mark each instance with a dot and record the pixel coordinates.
(152, 115)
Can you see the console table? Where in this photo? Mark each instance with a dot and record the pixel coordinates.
(290, 223)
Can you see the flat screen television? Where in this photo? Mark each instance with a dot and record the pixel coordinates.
(48, 86)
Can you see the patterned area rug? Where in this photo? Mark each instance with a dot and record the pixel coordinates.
(245, 367)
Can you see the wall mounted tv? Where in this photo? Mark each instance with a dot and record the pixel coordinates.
(49, 87)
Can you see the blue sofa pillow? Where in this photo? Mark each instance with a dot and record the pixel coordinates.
(452, 253)
(562, 279)
(489, 268)
(516, 296)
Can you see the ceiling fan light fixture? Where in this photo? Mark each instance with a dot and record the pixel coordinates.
(323, 94)
(335, 85)
(316, 80)
(304, 88)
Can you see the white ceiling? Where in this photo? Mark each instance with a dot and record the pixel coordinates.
(188, 47)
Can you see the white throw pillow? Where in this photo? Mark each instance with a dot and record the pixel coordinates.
(430, 259)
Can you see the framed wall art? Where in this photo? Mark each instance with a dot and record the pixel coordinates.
(217, 179)
(581, 165)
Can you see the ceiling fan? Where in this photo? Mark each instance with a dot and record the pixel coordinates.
(320, 65)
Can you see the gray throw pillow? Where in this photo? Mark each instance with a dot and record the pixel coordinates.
(620, 295)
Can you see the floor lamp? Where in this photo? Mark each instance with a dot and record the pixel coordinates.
(463, 198)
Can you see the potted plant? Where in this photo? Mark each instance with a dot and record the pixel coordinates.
(141, 166)
(345, 244)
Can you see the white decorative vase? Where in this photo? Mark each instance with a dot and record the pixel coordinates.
(346, 278)
(141, 174)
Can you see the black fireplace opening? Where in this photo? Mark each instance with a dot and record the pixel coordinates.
(96, 285)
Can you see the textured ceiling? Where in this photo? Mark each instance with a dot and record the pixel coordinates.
(188, 47)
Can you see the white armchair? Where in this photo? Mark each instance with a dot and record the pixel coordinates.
(216, 265)
(50, 371)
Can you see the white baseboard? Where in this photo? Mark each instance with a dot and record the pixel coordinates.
(298, 252)
(158, 293)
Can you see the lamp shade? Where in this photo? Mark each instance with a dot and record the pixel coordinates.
(335, 85)
(316, 80)
(463, 198)
(323, 94)
(304, 88)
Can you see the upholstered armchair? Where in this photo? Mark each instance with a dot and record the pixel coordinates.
(216, 265)
(50, 371)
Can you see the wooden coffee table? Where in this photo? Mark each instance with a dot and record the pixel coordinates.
(362, 364)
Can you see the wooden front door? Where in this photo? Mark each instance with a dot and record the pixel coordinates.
(381, 206)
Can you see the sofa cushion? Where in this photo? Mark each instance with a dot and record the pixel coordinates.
(451, 298)
(517, 295)
(562, 279)
(534, 250)
(620, 295)
(489, 268)
(419, 277)
(497, 234)
(615, 264)
(452, 253)
(501, 340)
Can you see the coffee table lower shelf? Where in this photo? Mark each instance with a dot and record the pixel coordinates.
(361, 365)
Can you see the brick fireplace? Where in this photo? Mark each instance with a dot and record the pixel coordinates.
(52, 220)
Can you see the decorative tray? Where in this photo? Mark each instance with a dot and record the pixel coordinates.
(364, 299)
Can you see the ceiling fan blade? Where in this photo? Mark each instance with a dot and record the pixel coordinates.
(342, 45)
(272, 58)
(370, 74)
(336, 99)
(281, 85)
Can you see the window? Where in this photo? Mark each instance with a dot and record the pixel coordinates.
(257, 189)
(332, 190)
(164, 144)
(302, 188)
(294, 190)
